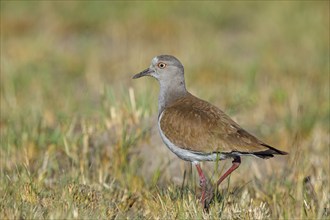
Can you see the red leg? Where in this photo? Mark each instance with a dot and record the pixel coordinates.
(202, 181)
(207, 194)
(236, 163)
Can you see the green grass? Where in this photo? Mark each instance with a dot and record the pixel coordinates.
(79, 136)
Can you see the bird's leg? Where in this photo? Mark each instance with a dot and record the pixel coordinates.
(207, 190)
(236, 163)
(207, 194)
(202, 181)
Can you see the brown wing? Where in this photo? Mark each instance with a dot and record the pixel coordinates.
(194, 124)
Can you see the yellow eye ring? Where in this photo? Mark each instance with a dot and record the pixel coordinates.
(161, 65)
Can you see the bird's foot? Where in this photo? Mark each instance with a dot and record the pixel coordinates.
(203, 182)
(207, 196)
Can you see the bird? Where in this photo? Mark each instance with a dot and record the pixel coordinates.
(194, 129)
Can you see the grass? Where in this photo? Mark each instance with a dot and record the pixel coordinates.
(79, 137)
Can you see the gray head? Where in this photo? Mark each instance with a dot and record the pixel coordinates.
(164, 68)
(169, 72)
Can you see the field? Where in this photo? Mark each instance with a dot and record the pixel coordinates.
(79, 137)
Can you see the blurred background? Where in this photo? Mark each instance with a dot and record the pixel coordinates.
(72, 115)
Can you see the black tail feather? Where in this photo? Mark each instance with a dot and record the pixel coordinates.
(269, 153)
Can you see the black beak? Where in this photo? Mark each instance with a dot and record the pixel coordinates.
(145, 72)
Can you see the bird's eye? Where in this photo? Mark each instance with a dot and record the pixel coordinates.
(161, 65)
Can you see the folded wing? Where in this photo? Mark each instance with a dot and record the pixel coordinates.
(196, 125)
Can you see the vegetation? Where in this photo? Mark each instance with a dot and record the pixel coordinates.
(79, 137)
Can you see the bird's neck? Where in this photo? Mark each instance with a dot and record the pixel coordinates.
(170, 92)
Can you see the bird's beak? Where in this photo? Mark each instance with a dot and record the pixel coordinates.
(145, 72)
